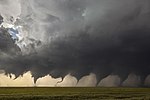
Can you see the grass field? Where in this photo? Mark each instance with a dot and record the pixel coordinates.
(74, 93)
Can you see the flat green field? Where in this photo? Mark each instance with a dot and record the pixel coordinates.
(85, 93)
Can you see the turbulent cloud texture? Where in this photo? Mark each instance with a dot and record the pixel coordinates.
(78, 37)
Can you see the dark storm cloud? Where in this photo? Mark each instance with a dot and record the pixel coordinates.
(7, 44)
(94, 36)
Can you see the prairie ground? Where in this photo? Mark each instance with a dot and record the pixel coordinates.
(76, 93)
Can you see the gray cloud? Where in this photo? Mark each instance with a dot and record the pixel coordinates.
(7, 44)
(83, 37)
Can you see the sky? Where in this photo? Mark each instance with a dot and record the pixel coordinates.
(75, 42)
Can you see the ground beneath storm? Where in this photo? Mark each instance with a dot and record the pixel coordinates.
(73, 93)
